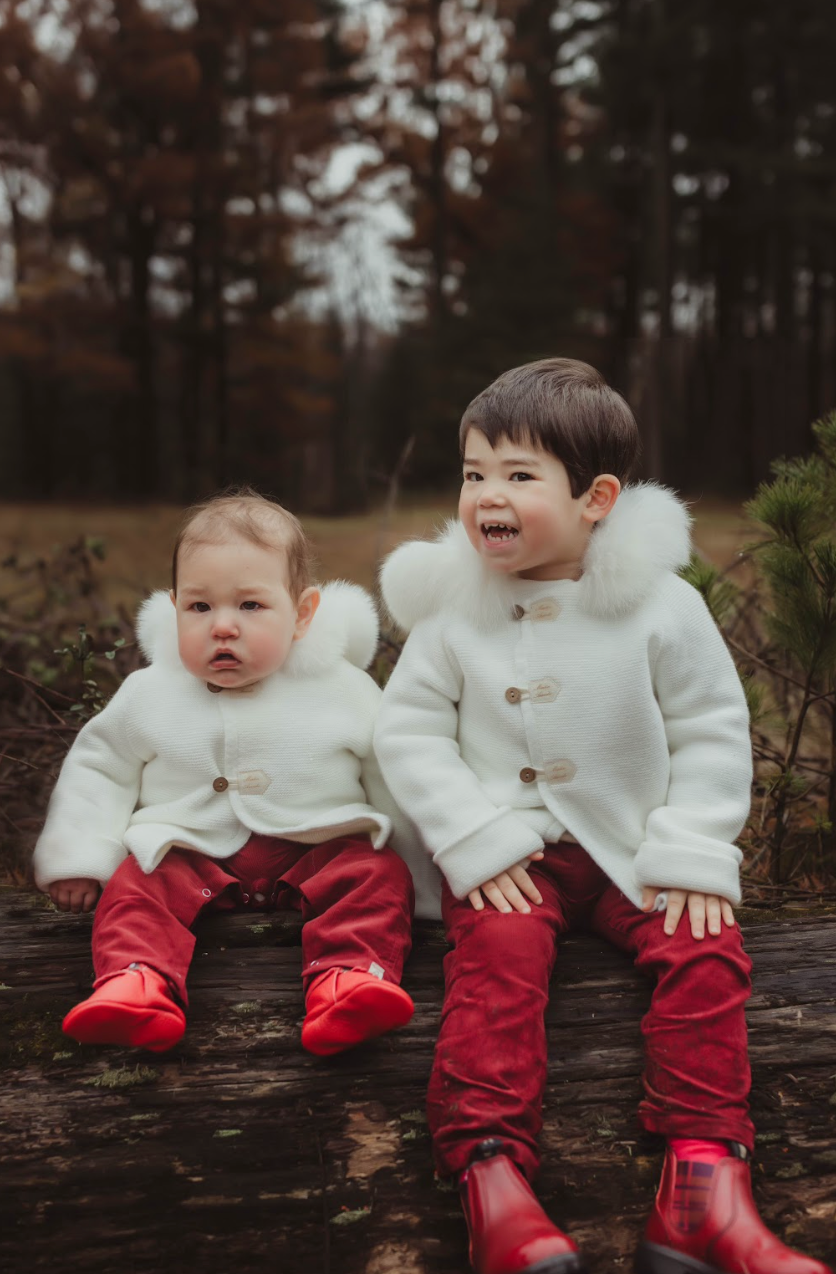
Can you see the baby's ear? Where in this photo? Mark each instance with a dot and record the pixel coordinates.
(306, 608)
(173, 596)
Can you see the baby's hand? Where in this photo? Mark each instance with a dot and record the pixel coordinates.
(701, 907)
(78, 894)
(506, 890)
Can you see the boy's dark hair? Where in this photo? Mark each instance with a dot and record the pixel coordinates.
(566, 408)
(244, 512)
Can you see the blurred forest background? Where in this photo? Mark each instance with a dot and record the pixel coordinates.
(286, 242)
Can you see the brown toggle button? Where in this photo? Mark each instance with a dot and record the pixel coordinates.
(527, 774)
(513, 695)
(518, 612)
(220, 785)
(216, 690)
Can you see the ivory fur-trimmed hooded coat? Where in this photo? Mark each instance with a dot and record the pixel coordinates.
(607, 708)
(168, 762)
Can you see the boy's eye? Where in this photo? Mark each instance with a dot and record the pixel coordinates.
(251, 606)
(201, 607)
(521, 477)
(473, 477)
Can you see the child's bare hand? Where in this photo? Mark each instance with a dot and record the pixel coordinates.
(702, 909)
(508, 891)
(78, 894)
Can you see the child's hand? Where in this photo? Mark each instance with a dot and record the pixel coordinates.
(701, 908)
(506, 890)
(78, 894)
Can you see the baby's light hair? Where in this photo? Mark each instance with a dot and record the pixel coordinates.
(246, 513)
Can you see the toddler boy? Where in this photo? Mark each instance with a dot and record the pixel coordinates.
(567, 730)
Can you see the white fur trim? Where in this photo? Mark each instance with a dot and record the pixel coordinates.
(421, 578)
(345, 626)
(156, 630)
(646, 534)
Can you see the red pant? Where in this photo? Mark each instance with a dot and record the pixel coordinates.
(356, 901)
(489, 1071)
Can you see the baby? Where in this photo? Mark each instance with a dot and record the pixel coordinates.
(235, 771)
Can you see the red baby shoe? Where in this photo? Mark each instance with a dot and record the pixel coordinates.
(134, 1007)
(345, 1006)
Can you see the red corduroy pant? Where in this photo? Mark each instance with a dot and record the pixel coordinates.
(489, 1071)
(357, 903)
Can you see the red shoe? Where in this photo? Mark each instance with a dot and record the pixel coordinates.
(509, 1231)
(133, 1007)
(343, 1007)
(727, 1238)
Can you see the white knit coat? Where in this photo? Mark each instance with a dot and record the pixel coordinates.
(168, 762)
(608, 708)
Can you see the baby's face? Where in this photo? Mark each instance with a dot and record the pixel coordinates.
(517, 507)
(236, 619)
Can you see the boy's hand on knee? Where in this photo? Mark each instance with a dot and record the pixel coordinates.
(508, 891)
(78, 894)
(703, 909)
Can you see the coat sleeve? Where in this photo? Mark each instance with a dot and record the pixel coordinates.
(689, 840)
(94, 798)
(470, 838)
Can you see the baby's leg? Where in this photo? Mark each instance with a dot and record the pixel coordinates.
(142, 947)
(147, 919)
(357, 903)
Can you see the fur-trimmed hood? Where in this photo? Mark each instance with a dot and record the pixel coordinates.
(345, 626)
(646, 534)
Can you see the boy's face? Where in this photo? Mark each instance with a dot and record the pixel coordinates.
(517, 507)
(236, 620)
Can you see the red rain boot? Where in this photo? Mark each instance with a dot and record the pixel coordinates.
(133, 1007)
(727, 1237)
(509, 1231)
(343, 1007)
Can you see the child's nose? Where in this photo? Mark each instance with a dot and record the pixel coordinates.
(490, 494)
(225, 623)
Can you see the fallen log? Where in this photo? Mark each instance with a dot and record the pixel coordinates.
(238, 1152)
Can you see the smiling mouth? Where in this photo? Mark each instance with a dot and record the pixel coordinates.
(499, 533)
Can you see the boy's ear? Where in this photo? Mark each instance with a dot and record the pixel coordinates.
(173, 596)
(306, 608)
(601, 497)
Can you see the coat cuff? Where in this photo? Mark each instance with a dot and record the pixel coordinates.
(501, 842)
(95, 859)
(703, 871)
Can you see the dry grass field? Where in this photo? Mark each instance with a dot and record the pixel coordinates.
(138, 539)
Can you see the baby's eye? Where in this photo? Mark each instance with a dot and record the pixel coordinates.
(200, 607)
(251, 606)
(521, 476)
(473, 477)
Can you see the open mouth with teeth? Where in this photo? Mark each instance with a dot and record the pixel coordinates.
(499, 533)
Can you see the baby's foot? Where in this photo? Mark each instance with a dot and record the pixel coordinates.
(134, 1007)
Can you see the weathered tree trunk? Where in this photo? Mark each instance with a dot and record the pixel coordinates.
(238, 1151)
